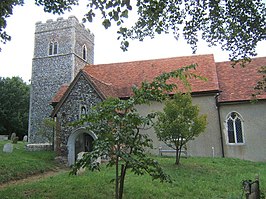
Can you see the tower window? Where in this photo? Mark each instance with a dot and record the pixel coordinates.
(234, 126)
(84, 52)
(50, 48)
(53, 48)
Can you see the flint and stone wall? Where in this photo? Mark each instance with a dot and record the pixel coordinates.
(49, 72)
(81, 95)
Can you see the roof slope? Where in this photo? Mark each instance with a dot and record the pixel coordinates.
(59, 94)
(237, 84)
(122, 76)
(117, 79)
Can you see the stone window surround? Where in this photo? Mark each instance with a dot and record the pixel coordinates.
(53, 48)
(235, 134)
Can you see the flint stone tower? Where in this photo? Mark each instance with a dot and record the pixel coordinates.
(61, 49)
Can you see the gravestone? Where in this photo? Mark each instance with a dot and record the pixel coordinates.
(13, 135)
(82, 169)
(8, 148)
(25, 138)
(3, 137)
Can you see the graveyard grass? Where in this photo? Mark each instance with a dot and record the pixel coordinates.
(194, 178)
(20, 163)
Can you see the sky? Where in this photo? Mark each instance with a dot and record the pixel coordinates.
(16, 55)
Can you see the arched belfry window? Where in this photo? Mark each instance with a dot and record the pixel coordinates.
(234, 126)
(53, 48)
(84, 52)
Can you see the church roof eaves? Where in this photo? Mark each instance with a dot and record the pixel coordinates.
(237, 84)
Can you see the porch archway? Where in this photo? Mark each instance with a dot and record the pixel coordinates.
(78, 141)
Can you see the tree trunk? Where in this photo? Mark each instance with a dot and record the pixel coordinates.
(122, 180)
(177, 156)
(116, 178)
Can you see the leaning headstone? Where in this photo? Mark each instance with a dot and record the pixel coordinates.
(13, 135)
(25, 138)
(15, 140)
(82, 169)
(8, 148)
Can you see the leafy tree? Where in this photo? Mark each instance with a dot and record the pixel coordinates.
(118, 126)
(236, 25)
(179, 122)
(14, 106)
(261, 85)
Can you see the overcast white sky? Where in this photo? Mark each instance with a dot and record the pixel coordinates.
(16, 55)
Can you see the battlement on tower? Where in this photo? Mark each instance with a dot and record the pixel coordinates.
(60, 23)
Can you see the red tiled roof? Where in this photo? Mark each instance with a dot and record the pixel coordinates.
(59, 93)
(106, 89)
(117, 79)
(238, 83)
(122, 76)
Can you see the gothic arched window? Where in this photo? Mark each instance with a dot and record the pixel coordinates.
(84, 52)
(53, 48)
(234, 126)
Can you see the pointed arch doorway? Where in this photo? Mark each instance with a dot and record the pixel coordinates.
(79, 140)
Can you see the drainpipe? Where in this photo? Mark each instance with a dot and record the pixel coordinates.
(220, 125)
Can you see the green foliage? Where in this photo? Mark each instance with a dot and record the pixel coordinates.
(261, 85)
(236, 25)
(117, 125)
(14, 106)
(179, 122)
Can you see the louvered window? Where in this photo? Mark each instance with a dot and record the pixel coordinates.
(234, 124)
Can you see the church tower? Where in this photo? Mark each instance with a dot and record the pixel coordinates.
(61, 49)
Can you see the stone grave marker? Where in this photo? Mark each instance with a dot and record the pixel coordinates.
(13, 135)
(25, 138)
(8, 148)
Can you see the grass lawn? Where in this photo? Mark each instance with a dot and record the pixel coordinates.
(20, 163)
(194, 178)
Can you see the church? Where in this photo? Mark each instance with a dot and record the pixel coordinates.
(66, 84)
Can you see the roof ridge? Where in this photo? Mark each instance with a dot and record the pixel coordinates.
(148, 60)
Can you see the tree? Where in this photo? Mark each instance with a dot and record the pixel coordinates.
(236, 25)
(261, 85)
(117, 125)
(14, 106)
(179, 122)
